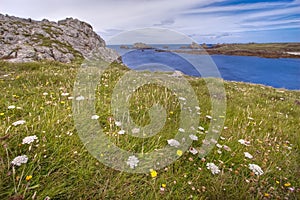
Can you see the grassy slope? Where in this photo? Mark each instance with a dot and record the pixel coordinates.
(61, 167)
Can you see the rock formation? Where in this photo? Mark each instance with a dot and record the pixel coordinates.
(25, 40)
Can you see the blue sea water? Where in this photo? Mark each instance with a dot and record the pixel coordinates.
(278, 73)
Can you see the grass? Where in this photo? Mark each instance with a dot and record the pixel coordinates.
(62, 168)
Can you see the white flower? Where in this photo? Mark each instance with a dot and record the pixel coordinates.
(193, 137)
(182, 98)
(227, 148)
(29, 139)
(213, 168)
(173, 143)
(117, 123)
(45, 93)
(244, 142)
(11, 107)
(193, 151)
(19, 122)
(208, 117)
(95, 117)
(132, 162)
(201, 128)
(181, 130)
(121, 132)
(219, 146)
(64, 94)
(79, 98)
(70, 98)
(19, 160)
(135, 130)
(248, 155)
(256, 169)
(197, 108)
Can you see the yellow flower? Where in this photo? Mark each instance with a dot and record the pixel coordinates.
(1, 114)
(266, 195)
(287, 184)
(62, 102)
(153, 173)
(163, 185)
(179, 152)
(277, 182)
(28, 178)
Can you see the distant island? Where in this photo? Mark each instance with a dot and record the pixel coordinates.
(266, 50)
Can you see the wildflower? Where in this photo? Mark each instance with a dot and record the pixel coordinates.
(201, 128)
(19, 160)
(28, 178)
(193, 137)
(132, 162)
(256, 169)
(95, 117)
(153, 173)
(267, 195)
(193, 151)
(117, 123)
(248, 155)
(19, 122)
(227, 148)
(244, 142)
(213, 168)
(11, 107)
(164, 185)
(79, 98)
(197, 108)
(29, 139)
(179, 152)
(1, 114)
(181, 130)
(208, 117)
(121, 132)
(182, 98)
(219, 146)
(173, 143)
(45, 93)
(135, 130)
(70, 98)
(64, 94)
(287, 184)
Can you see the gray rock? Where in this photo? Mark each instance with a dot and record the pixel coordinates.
(25, 40)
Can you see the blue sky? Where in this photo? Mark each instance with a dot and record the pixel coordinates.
(209, 21)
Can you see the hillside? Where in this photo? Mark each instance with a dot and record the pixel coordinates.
(68, 40)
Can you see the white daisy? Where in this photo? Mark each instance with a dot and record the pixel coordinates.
(117, 123)
(11, 107)
(64, 94)
(20, 122)
(256, 169)
(173, 143)
(181, 130)
(19, 160)
(244, 142)
(29, 139)
(201, 128)
(193, 137)
(132, 162)
(248, 155)
(45, 93)
(121, 132)
(79, 98)
(213, 168)
(95, 117)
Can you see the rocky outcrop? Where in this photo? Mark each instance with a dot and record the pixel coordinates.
(140, 45)
(68, 40)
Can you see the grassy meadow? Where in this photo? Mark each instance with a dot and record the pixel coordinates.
(262, 127)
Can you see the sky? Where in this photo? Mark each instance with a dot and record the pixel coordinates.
(205, 21)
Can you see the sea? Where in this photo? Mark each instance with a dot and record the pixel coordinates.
(275, 72)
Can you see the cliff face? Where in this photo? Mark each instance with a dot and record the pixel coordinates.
(25, 40)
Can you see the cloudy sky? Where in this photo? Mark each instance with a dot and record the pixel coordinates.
(210, 21)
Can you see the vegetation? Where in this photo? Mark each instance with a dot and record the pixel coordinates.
(60, 167)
